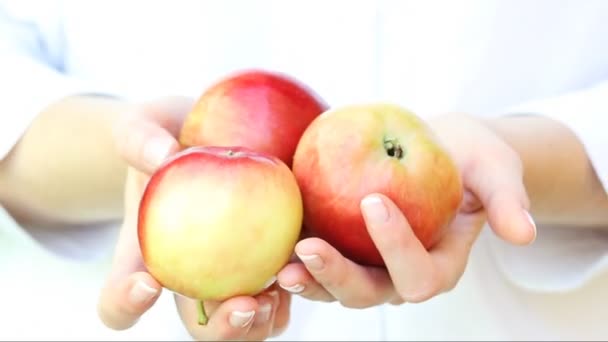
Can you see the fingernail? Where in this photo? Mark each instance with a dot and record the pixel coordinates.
(312, 261)
(156, 150)
(531, 222)
(239, 319)
(374, 209)
(264, 313)
(270, 282)
(297, 288)
(141, 292)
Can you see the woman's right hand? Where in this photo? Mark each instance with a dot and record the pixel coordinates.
(145, 138)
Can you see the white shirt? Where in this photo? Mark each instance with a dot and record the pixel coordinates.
(484, 57)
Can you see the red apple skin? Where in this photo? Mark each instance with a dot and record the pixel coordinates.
(342, 157)
(259, 109)
(217, 222)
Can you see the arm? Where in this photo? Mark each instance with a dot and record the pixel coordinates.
(56, 158)
(65, 168)
(563, 185)
(553, 164)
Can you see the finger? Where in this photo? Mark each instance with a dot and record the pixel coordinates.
(353, 285)
(407, 261)
(128, 291)
(123, 302)
(498, 183)
(168, 112)
(228, 320)
(147, 136)
(144, 144)
(282, 315)
(295, 278)
(451, 254)
(263, 322)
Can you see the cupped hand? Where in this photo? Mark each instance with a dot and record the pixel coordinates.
(492, 177)
(145, 138)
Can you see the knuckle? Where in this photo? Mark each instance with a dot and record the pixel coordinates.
(280, 325)
(423, 292)
(453, 282)
(119, 318)
(361, 300)
(397, 300)
(333, 276)
(451, 286)
(357, 304)
(417, 297)
(341, 279)
(317, 293)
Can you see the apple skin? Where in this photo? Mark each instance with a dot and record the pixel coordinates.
(262, 110)
(344, 155)
(217, 222)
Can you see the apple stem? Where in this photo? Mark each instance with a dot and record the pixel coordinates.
(393, 148)
(202, 315)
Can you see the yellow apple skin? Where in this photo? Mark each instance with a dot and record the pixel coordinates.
(355, 150)
(217, 222)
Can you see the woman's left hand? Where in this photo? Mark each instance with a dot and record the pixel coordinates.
(494, 191)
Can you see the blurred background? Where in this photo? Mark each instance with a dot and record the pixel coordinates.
(479, 57)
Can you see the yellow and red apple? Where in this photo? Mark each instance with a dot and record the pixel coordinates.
(217, 222)
(352, 151)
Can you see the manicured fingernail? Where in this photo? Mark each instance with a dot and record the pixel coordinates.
(270, 282)
(264, 313)
(312, 261)
(374, 209)
(296, 288)
(156, 150)
(531, 222)
(141, 292)
(239, 319)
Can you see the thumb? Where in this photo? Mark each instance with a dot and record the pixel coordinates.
(498, 184)
(147, 136)
(129, 290)
(144, 138)
(143, 144)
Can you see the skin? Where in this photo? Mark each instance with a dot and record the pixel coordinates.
(84, 179)
(143, 135)
(508, 159)
(504, 168)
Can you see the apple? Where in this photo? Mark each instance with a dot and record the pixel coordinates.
(262, 110)
(352, 151)
(216, 222)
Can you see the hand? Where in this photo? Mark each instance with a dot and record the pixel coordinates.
(494, 191)
(145, 139)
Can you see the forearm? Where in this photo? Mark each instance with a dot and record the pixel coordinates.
(561, 182)
(65, 167)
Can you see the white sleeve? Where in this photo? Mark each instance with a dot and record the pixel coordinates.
(31, 64)
(565, 258)
(585, 112)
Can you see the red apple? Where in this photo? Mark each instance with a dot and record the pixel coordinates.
(261, 110)
(352, 151)
(217, 222)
